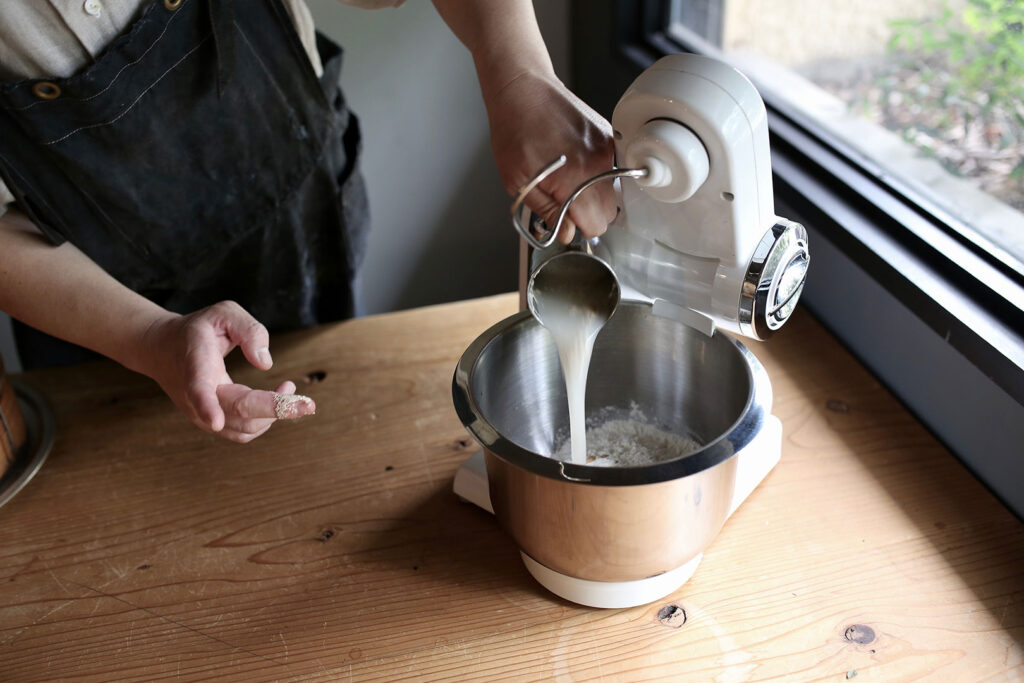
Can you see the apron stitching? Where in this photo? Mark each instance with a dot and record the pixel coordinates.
(136, 100)
(112, 81)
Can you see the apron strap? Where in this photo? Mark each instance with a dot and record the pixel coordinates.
(222, 23)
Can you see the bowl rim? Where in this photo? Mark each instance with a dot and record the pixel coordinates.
(720, 449)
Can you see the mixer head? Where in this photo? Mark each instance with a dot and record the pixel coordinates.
(701, 129)
(696, 232)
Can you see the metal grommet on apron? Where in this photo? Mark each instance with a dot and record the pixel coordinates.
(172, 4)
(244, 188)
(46, 90)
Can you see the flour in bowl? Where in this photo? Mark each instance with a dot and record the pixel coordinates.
(629, 441)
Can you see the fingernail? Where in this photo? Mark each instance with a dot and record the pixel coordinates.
(264, 356)
(291, 406)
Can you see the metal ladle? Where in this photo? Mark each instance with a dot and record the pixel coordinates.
(574, 277)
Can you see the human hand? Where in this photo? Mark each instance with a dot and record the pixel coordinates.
(185, 355)
(534, 118)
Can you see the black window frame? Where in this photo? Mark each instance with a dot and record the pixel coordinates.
(961, 296)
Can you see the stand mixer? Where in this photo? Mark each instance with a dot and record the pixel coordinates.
(696, 246)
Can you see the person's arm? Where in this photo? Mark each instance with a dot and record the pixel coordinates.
(62, 292)
(532, 115)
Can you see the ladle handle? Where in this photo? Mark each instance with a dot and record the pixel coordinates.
(548, 235)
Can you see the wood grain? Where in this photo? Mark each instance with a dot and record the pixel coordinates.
(333, 547)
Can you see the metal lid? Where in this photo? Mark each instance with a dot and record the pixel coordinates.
(774, 279)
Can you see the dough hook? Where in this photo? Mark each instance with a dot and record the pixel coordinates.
(548, 235)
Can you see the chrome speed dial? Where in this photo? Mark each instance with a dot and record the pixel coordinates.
(774, 279)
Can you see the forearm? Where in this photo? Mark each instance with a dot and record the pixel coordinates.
(502, 36)
(532, 115)
(60, 291)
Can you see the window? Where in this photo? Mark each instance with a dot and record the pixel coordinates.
(906, 171)
(929, 91)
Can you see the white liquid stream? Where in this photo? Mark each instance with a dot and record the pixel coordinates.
(574, 329)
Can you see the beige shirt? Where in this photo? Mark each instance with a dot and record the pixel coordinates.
(56, 38)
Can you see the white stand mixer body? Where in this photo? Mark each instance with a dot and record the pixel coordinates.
(686, 233)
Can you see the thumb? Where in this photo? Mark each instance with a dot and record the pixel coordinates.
(248, 333)
(202, 396)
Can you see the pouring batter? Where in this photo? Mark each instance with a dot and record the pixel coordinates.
(573, 294)
(574, 329)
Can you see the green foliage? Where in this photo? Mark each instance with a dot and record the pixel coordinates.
(977, 53)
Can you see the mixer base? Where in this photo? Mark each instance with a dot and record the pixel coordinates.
(611, 593)
(754, 463)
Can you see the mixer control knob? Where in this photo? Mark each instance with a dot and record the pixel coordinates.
(774, 279)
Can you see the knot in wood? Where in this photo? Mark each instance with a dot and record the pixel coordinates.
(672, 616)
(860, 634)
(315, 377)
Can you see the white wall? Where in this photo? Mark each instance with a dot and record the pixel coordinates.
(439, 212)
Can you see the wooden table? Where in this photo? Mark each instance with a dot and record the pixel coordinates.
(334, 547)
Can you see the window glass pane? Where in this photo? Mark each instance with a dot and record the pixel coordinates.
(930, 90)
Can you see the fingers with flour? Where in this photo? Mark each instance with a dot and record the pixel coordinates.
(250, 412)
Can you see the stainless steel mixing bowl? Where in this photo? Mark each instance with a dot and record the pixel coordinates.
(621, 523)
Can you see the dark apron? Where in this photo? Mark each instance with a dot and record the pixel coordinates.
(198, 159)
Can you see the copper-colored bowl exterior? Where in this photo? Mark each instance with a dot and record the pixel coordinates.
(610, 533)
(622, 523)
(12, 425)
